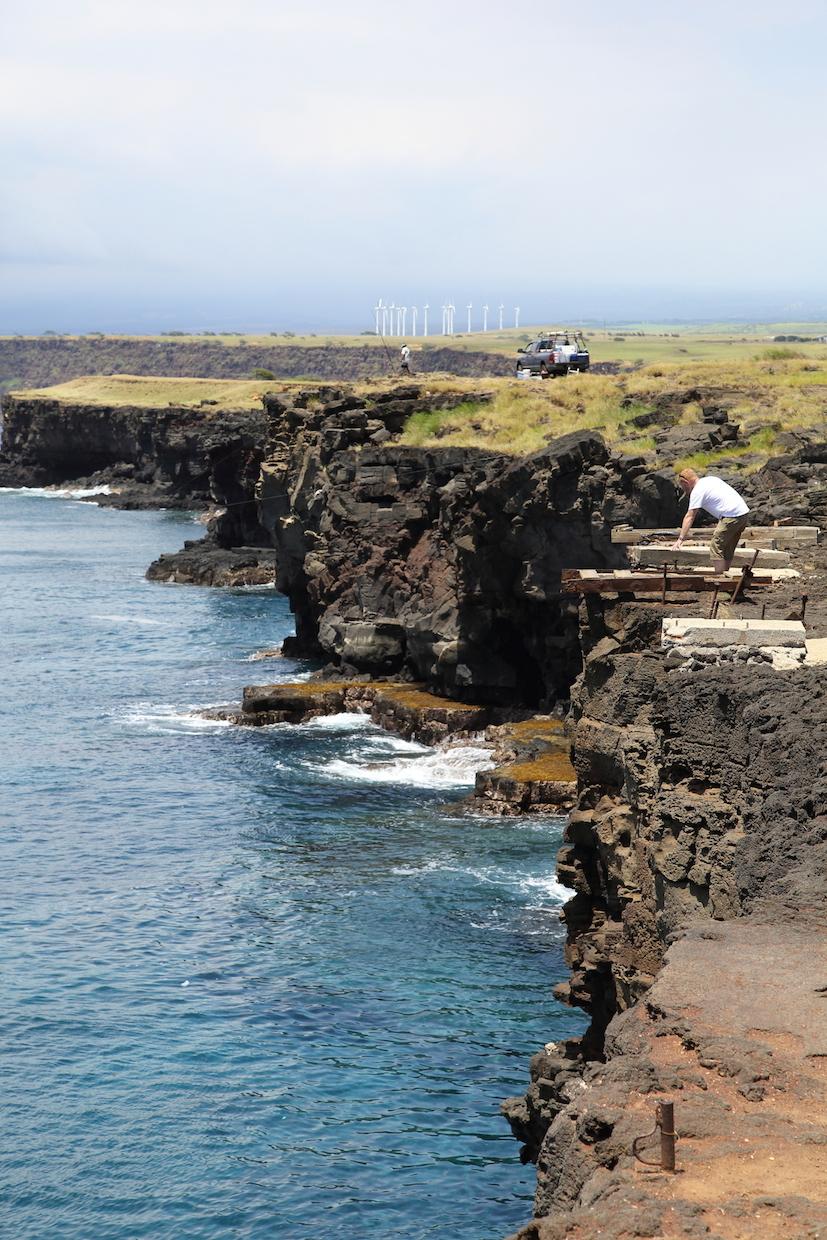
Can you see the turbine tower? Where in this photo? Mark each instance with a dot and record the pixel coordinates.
(445, 319)
(469, 308)
(425, 310)
(451, 309)
(403, 314)
(392, 309)
(501, 307)
(377, 310)
(413, 320)
(485, 318)
(516, 316)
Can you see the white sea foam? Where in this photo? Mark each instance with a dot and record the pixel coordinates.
(546, 890)
(60, 492)
(141, 620)
(172, 720)
(452, 767)
(541, 891)
(345, 721)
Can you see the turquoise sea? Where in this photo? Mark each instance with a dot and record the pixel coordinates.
(256, 983)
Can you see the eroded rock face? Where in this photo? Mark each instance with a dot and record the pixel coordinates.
(175, 456)
(702, 806)
(441, 564)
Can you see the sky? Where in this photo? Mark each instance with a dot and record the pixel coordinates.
(174, 164)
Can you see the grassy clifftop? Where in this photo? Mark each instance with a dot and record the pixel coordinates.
(777, 389)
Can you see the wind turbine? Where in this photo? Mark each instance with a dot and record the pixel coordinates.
(425, 310)
(451, 309)
(403, 314)
(501, 308)
(469, 308)
(485, 318)
(516, 316)
(392, 308)
(413, 320)
(377, 309)
(445, 319)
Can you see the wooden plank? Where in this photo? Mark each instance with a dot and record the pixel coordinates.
(651, 587)
(647, 583)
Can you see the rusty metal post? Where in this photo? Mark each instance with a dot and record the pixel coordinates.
(663, 591)
(804, 598)
(667, 1135)
(746, 573)
(714, 603)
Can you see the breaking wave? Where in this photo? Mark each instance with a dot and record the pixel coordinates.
(172, 720)
(452, 767)
(60, 492)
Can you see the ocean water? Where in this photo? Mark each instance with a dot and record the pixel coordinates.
(256, 983)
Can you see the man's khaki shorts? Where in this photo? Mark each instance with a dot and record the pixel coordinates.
(725, 536)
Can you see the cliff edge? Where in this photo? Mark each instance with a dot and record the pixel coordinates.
(696, 938)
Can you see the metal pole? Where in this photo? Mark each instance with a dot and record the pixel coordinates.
(667, 1136)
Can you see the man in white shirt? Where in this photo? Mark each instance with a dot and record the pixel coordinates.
(405, 359)
(722, 501)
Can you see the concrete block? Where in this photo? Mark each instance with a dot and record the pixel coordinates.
(754, 635)
(816, 650)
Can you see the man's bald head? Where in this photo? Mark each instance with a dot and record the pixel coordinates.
(686, 480)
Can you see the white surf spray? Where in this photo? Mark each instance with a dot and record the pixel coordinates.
(60, 492)
(172, 720)
(454, 766)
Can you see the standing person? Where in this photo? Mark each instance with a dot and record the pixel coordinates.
(405, 359)
(720, 500)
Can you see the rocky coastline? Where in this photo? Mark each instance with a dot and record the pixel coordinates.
(428, 584)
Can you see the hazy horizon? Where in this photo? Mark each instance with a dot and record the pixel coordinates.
(185, 167)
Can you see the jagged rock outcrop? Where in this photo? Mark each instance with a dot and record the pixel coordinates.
(441, 564)
(793, 485)
(202, 562)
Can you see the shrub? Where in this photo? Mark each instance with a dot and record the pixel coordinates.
(779, 355)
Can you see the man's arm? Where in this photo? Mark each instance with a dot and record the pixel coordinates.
(686, 526)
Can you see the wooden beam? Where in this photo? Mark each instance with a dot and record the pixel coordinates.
(649, 583)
